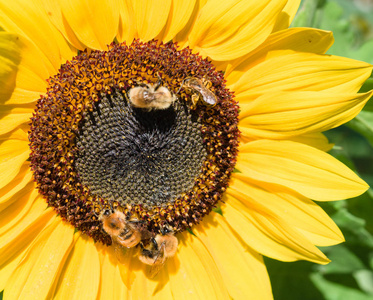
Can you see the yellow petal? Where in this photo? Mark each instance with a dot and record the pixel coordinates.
(111, 285)
(194, 273)
(25, 230)
(16, 241)
(309, 171)
(316, 140)
(13, 153)
(81, 272)
(269, 236)
(145, 288)
(9, 266)
(150, 16)
(127, 22)
(20, 185)
(281, 115)
(12, 117)
(180, 14)
(242, 269)
(280, 43)
(18, 134)
(298, 212)
(27, 80)
(10, 216)
(34, 276)
(53, 9)
(287, 15)
(302, 71)
(223, 27)
(182, 37)
(28, 18)
(94, 22)
(9, 61)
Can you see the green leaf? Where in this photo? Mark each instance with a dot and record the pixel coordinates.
(218, 210)
(364, 279)
(305, 16)
(335, 291)
(354, 225)
(362, 207)
(190, 231)
(290, 280)
(344, 261)
(365, 51)
(363, 123)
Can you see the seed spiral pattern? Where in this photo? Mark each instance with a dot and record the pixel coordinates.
(137, 157)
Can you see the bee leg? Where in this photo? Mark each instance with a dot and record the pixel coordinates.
(159, 82)
(195, 98)
(166, 229)
(206, 83)
(140, 83)
(155, 244)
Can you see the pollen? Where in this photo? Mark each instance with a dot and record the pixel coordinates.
(91, 149)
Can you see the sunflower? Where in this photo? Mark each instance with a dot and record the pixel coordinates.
(161, 148)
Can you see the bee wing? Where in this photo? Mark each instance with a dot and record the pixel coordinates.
(121, 253)
(208, 97)
(125, 256)
(159, 262)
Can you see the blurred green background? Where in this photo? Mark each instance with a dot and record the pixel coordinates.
(350, 274)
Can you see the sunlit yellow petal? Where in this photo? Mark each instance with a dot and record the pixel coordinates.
(9, 61)
(94, 22)
(281, 43)
(317, 140)
(146, 288)
(127, 22)
(27, 80)
(287, 15)
(182, 37)
(11, 117)
(10, 265)
(81, 272)
(309, 171)
(180, 14)
(111, 284)
(297, 211)
(193, 272)
(20, 17)
(13, 153)
(242, 269)
(302, 72)
(11, 192)
(34, 276)
(22, 232)
(18, 134)
(214, 32)
(281, 115)
(54, 12)
(151, 16)
(268, 235)
(16, 210)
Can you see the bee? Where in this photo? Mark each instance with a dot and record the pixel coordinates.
(158, 250)
(201, 90)
(151, 96)
(125, 232)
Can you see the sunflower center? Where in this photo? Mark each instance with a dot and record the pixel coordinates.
(139, 157)
(147, 130)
